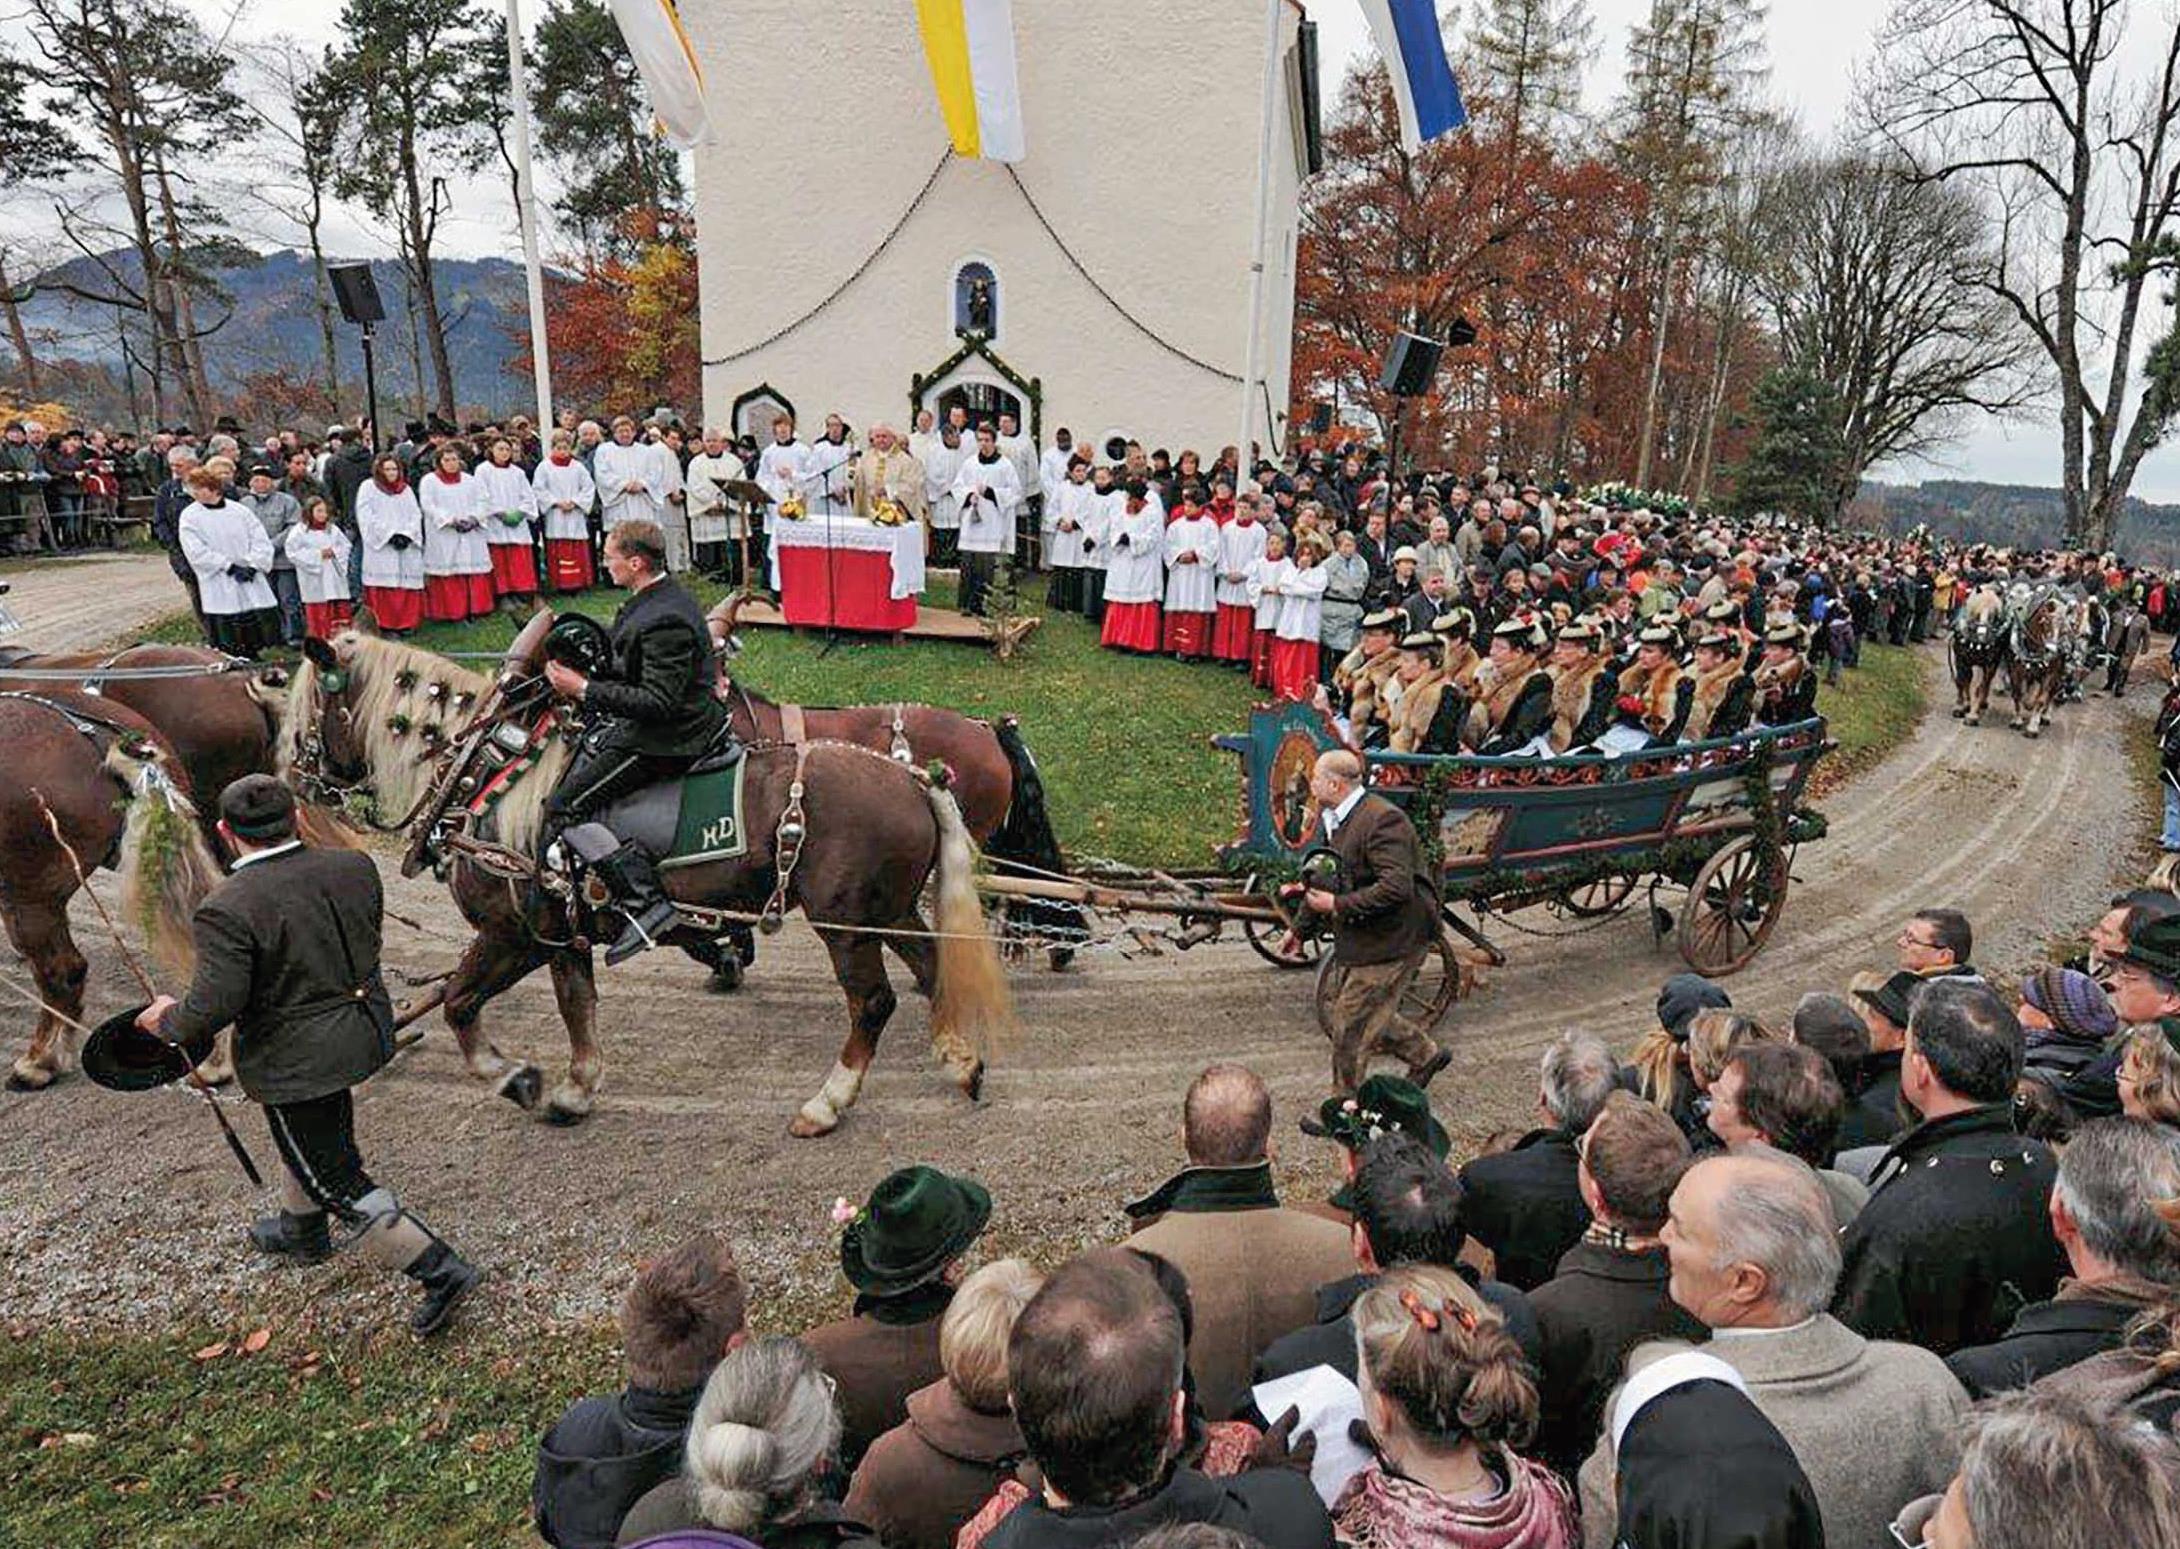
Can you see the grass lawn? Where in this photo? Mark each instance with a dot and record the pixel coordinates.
(1874, 709)
(307, 1441)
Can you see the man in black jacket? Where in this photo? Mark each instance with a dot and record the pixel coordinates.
(1407, 1211)
(652, 718)
(1525, 1205)
(1094, 1369)
(1612, 1289)
(287, 951)
(681, 1314)
(2124, 1260)
(1957, 1234)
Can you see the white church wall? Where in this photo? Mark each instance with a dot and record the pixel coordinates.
(1141, 125)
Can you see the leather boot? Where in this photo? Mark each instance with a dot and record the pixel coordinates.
(634, 881)
(446, 1278)
(303, 1238)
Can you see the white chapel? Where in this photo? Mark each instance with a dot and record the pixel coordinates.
(851, 263)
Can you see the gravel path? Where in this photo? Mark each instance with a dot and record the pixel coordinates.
(77, 603)
(130, 1208)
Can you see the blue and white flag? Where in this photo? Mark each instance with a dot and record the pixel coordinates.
(1415, 56)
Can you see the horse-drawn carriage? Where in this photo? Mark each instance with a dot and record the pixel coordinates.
(1583, 835)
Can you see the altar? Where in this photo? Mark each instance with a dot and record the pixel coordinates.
(874, 572)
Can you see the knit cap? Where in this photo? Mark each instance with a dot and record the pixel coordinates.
(2076, 1006)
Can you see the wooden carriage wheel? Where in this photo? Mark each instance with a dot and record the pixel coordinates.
(1732, 905)
(1440, 982)
(1596, 898)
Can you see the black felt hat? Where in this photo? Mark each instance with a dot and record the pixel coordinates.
(2155, 945)
(122, 1057)
(258, 807)
(1895, 998)
(919, 1220)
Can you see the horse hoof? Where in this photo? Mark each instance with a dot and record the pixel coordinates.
(1958, 712)
(523, 1086)
(725, 979)
(30, 1078)
(803, 1127)
(972, 1085)
(1059, 958)
(561, 1116)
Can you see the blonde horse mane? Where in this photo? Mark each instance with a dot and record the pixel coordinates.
(400, 695)
(166, 868)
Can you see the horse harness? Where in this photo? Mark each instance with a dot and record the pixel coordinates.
(89, 725)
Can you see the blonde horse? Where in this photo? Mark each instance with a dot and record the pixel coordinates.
(368, 711)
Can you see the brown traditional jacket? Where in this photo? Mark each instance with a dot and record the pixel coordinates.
(1774, 684)
(1419, 704)
(1658, 691)
(1711, 690)
(1571, 690)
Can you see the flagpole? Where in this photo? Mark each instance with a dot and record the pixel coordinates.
(1257, 238)
(526, 213)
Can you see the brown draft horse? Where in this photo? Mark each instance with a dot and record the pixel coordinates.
(994, 776)
(2036, 658)
(105, 790)
(371, 712)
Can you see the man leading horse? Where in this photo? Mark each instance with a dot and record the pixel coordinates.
(649, 720)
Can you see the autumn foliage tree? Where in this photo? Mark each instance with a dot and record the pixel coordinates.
(623, 329)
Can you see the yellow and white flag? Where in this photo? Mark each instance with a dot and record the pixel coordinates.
(970, 44)
(667, 60)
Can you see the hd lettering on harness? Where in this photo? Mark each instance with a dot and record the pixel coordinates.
(719, 834)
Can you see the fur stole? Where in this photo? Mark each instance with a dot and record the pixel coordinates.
(1710, 692)
(1571, 690)
(1659, 691)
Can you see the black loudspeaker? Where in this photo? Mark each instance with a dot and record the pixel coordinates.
(1320, 419)
(357, 293)
(1411, 362)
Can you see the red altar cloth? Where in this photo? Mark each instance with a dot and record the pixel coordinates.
(862, 588)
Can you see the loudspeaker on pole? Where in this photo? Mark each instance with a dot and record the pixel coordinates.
(357, 293)
(1411, 363)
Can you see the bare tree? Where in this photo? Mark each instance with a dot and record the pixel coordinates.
(300, 108)
(1873, 280)
(2033, 106)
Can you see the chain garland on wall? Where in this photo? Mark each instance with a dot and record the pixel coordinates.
(857, 273)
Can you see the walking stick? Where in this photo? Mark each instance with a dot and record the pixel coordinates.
(202, 1087)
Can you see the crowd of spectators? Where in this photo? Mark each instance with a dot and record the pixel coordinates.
(1895, 1270)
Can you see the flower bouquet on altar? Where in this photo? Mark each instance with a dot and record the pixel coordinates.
(792, 509)
(885, 511)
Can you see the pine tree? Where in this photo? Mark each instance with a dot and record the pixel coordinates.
(1795, 465)
(32, 149)
(1527, 56)
(593, 121)
(406, 68)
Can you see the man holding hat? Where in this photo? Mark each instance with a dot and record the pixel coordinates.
(903, 1254)
(1582, 690)
(287, 951)
(1365, 674)
(1381, 1105)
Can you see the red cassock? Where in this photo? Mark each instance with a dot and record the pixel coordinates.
(1230, 641)
(1294, 668)
(1187, 633)
(395, 607)
(324, 620)
(567, 560)
(514, 569)
(1131, 626)
(448, 599)
(1260, 656)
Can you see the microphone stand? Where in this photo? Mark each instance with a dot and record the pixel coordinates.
(824, 477)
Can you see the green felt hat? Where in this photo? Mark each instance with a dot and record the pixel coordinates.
(919, 1220)
(2155, 945)
(1382, 1104)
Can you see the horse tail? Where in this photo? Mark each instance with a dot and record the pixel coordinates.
(166, 868)
(1024, 843)
(972, 1013)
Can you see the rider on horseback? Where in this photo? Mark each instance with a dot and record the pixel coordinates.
(649, 715)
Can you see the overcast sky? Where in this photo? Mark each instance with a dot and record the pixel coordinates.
(1815, 47)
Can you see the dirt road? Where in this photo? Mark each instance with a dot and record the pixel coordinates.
(113, 1206)
(77, 603)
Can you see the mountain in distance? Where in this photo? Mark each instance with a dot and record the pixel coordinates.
(2012, 515)
(274, 325)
